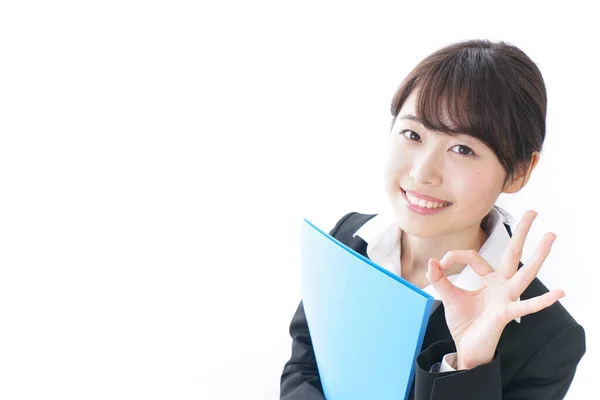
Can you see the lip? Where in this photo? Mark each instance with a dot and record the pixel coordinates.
(423, 210)
(424, 197)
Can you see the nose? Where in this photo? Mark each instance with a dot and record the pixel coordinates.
(426, 169)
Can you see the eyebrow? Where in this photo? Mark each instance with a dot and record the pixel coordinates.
(411, 117)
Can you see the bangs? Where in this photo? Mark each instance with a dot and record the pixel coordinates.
(455, 101)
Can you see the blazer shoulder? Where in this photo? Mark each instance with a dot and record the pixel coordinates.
(347, 226)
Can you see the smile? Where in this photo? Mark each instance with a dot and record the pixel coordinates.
(424, 202)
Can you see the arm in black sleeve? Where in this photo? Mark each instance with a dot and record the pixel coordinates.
(300, 377)
(547, 376)
(550, 373)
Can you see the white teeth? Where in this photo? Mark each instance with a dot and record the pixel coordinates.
(424, 203)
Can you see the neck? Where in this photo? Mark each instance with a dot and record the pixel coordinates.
(415, 252)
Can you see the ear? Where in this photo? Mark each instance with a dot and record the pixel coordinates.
(521, 177)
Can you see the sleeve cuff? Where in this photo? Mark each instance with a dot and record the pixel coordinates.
(448, 363)
(480, 382)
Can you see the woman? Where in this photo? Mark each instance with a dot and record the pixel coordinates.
(468, 124)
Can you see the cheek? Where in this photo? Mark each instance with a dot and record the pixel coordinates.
(396, 170)
(393, 162)
(477, 188)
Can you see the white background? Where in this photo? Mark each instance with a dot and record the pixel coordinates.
(157, 158)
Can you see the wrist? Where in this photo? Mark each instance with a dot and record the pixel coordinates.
(473, 362)
(472, 354)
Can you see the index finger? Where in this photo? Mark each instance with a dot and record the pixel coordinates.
(470, 257)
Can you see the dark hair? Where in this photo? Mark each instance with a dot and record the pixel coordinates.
(491, 91)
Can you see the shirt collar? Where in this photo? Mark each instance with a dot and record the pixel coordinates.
(382, 235)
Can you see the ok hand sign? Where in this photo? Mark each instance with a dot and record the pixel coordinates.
(477, 318)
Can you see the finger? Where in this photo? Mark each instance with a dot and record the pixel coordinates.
(533, 305)
(440, 282)
(524, 276)
(514, 250)
(471, 257)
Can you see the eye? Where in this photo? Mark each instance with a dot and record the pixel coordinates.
(464, 150)
(411, 135)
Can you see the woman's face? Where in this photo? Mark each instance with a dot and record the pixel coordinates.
(454, 180)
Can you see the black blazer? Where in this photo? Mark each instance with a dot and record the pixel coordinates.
(535, 359)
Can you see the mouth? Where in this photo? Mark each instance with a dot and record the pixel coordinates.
(424, 202)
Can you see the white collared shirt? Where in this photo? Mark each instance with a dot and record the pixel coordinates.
(382, 235)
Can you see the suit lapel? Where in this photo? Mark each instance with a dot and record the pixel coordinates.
(437, 329)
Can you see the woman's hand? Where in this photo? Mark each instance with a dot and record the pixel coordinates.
(477, 318)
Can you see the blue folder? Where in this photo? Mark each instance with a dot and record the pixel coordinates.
(366, 323)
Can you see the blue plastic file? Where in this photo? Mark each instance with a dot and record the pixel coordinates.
(366, 323)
